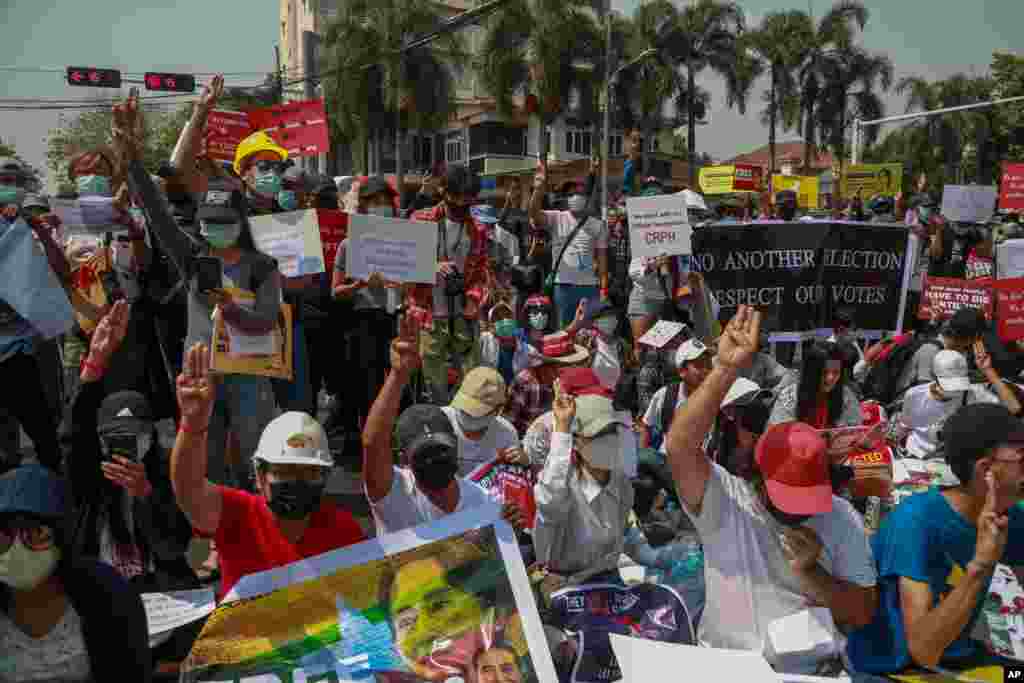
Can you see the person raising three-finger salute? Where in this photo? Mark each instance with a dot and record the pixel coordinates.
(288, 519)
(777, 542)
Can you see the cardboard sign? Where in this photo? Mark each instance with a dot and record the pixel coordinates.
(968, 203)
(1009, 295)
(1011, 187)
(949, 295)
(236, 353)
(658, 226)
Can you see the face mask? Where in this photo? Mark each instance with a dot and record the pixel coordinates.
(606, 326)
(11, 194)
(267, 183)
(538, 321)
(23, 569)
(471, 424)
(94, 185)
(127, 446)
(577, 203)
(437, 473)
(287, 200)
(506, 328)
(221, 235)
(138, 216)
(295, 499)
(381, 211)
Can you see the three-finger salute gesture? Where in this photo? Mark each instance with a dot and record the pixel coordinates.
(196, 389)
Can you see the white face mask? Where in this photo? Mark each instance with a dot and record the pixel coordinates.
(606, 326)
(24, 569)
(381, 211)
(538, 321)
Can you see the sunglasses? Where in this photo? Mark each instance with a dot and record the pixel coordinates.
(35, 536)
(268, 166)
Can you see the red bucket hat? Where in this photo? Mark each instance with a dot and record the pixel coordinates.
(791, 457)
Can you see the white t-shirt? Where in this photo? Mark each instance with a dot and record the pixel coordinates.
(459, 241)
(924, 415)
(406, 506)
(472, 454)
(749, 582)
(577, 267)
(652, 418)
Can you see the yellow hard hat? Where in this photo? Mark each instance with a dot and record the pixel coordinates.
(257, 142)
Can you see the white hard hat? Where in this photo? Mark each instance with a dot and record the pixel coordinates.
(294, 438)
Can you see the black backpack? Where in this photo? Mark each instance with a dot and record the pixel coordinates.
(882, 379)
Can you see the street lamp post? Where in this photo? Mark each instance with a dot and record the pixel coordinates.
(607, 124)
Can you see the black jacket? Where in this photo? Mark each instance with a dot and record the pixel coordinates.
(161, 528)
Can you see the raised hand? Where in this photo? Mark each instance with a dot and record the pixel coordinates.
(196, 390)
(129, 128)
(564, 409)
(801, 547)
(211, 93)
(109, 334)
(129, 475)
(540, 179)
(405, 349)
(739, 340)
(982, 358)
(992, 528)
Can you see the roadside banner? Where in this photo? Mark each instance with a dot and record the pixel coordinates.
(731, 178)
(872, 179)
(1011, 187)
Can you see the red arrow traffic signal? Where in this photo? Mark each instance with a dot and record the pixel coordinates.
(93, 78)
(170, 82)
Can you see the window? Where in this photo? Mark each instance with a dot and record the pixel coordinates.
(615, 145)
(453, 148)
(578, 141)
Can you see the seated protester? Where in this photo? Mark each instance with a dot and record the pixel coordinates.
(482, 434)
(122, 506)
(506, 347)
(765, 371)
(288, 519)
(742, 419)
(584, 497)
(1005, 363)
(774, 544)
(927, 407)
(657, 368)
(426, 487)
(936, 552)
(820, 398)
(843, 336)
(597, 333)
(958, 334)
(538, 318)
(532, 394)
(61, 618)
(653, 283)
(693, 363)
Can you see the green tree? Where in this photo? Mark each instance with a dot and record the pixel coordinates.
(548, 50)
(1008, 81)
(782, 43)
(367, 77)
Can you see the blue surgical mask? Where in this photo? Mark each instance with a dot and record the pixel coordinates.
(11, 194)
(267, 184)
(94, 185)
(288, 200)
(538, 321)
(220, 235)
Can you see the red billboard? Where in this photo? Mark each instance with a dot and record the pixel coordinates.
(1011, 187)
(299, 127)
(747, 178)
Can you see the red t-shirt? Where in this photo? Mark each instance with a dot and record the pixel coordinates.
(249, 540)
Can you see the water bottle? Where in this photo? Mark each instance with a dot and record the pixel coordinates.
(681, 566)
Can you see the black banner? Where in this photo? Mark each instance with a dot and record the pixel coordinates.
(800, 273)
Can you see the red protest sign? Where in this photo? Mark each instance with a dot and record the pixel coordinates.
(747, 178)
(1011, 187)
(224, 130)
(333, 229)
(1009, 295)
(948, 295)
(299, 127)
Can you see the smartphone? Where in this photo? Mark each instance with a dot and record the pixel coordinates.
(125, 445)
(208, 273)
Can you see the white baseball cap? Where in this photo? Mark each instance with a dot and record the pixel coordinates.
(294, 438)
(741, 387)
(691, 349)
(950, 368)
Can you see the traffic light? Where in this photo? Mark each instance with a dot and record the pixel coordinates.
(170, 82)
(94, 78)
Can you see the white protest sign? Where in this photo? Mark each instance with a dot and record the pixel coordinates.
(400, 250)
(643, 661)
(293, 238)
(968, 203)
(658, 226)
(168, 611)
(1010, 259)
(662, 333)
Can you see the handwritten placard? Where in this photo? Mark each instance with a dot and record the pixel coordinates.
(662, 333)
(400, 250)
(948, 295)
(1009, 295)
(968, 203)
(658, 226)
(167, 611)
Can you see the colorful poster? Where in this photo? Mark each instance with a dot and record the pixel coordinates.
(1011, 187)
(948, 295)
(400, 250)
(806, 188)
(333, 230)
(293, 238)
(509, 483)
(869, 180)
(968, 203)
(1009, 295)
(444, 601)
(716, 179)
(237, 353)
(658, 226)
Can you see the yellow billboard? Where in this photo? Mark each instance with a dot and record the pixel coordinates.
(716, 179)
(806, 188)
(872, 179)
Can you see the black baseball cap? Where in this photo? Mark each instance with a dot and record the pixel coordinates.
(967, 322)
(420, 424)
(124, 412)
(977, 428)
(221, 203)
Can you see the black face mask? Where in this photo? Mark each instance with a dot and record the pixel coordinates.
(436, 469)
(295, 499)
(786, 519)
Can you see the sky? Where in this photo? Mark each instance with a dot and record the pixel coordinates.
(237, 37)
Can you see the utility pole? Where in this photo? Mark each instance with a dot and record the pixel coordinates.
(398, 121)
(278, 81)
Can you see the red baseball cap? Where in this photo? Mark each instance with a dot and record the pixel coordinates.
(791, 458)
(583, 382)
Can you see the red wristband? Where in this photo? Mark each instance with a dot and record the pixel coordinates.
(183, 427)
(93, 367)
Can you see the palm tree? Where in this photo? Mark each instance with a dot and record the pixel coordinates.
(367, 78)
(705, 35)
(545, 50)
(835, 30)
(782, 42)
